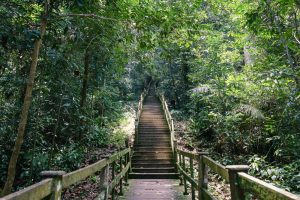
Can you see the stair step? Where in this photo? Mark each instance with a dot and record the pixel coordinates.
(152, 152)
(153, 133)
(154, 170)
(153, 144)
(153, 175)
(154, 127)
(152, 165)
(153, 130)
(152, 161)
(147, 149)
(152, 157)
(157, 139)
(145, 136)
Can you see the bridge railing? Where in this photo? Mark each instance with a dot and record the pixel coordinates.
(113, 171)
(241, 183)
(169, 119)
(139, 111)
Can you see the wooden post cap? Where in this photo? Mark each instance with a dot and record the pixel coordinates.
(240, 168)
(52, 174)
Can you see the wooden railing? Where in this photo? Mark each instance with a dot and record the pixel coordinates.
(241, 184)
(51, 188)
(169, 119)
(139, 111)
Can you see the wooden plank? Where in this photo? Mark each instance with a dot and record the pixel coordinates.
(207, 195)
(116, 156)
(216, 167)
(81, 174)
(189, 179)
(194, 156)
(117, 179)
(34, 192)
(262, 189)
(158, 189)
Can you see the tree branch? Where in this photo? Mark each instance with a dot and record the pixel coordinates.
(90, 16)
(296, 38)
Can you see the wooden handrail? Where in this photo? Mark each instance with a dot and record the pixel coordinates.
(240, 182)
(139, 111)
(169, 119)
(262, 189)
(52, 187)
(37, 191)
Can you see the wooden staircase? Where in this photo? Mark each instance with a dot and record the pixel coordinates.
(152, 153)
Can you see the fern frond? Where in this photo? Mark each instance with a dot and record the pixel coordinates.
(250, 110)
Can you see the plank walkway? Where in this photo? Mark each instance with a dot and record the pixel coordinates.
(153, 173)
(152, 152)
(154, 189)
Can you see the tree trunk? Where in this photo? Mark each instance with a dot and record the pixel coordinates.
(11, 172)
(85, 79)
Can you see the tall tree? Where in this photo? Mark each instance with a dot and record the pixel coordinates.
(11, 171)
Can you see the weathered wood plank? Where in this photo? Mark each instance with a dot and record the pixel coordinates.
(262, 189)
(189, 179)
(81, 174)
(194, 156)
(216, 167)
(207, 195)
(34, 192)
(116, 156)
(117, 178)
(150, 189)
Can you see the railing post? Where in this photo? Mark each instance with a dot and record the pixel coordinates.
(180, 164)
(104, 177)
(202, 175)
(237, 193)
(175, 155)
(121, 180)
(113, 177)
(192, 176)
(172, 134)
(127, 160)
(57, 186)
(184, 179)
(136, 131)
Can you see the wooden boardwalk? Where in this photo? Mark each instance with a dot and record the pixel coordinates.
(153, 173)
(152, 152)
(154, 189)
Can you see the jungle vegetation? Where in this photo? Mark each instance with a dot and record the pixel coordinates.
(68, 69)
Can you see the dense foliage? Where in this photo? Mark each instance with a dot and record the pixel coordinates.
(83, 81)
(235, 72)
(231, 68)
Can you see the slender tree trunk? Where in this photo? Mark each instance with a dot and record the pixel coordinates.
(85, 79)
(11, 172)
